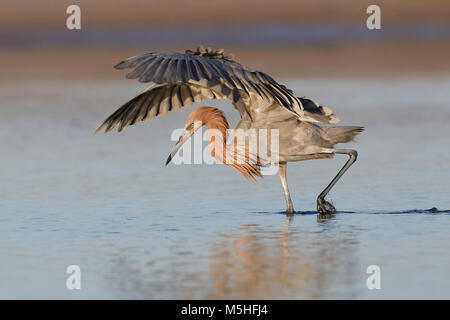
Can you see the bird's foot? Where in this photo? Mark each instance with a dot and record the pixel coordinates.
(324, 207)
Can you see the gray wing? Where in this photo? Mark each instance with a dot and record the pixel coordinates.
(314, 112)
(160, 99)
(172, 67)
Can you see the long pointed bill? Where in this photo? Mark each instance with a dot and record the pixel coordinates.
(183, 138)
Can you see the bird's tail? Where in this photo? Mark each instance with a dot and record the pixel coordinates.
(342, 134)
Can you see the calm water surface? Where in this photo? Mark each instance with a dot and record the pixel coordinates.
(140, 230)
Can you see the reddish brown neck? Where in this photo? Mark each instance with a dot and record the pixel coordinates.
(216, 122)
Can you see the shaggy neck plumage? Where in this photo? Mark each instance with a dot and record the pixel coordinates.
(216, 122)
(217, 125)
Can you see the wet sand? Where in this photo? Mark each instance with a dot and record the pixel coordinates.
(47, 13)
(407, 59)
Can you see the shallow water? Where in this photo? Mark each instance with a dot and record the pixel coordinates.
(138, 229)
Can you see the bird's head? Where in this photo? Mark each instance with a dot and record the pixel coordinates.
(196, 119)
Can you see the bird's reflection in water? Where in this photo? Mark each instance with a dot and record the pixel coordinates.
(299, 259)
(288, 263)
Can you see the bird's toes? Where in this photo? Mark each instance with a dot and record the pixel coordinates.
(324, 207)
(331, 209)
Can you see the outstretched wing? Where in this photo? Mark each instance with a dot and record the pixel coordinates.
(209, 68)
(184, 78)
(160, 99)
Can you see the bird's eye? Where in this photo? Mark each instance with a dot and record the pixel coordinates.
(192, 123)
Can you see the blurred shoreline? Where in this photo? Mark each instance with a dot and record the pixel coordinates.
(285, 38)
(250, 34)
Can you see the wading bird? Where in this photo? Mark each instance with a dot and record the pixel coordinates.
(180, 79)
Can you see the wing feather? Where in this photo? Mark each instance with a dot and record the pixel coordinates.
(317, 113)
(186, 96)
(172, 67)
(141, 66)
(176, 99)
(158, 100)
(164, 105)
(180, 79)
(200, 69)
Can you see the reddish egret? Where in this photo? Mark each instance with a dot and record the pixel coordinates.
(180, 79)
